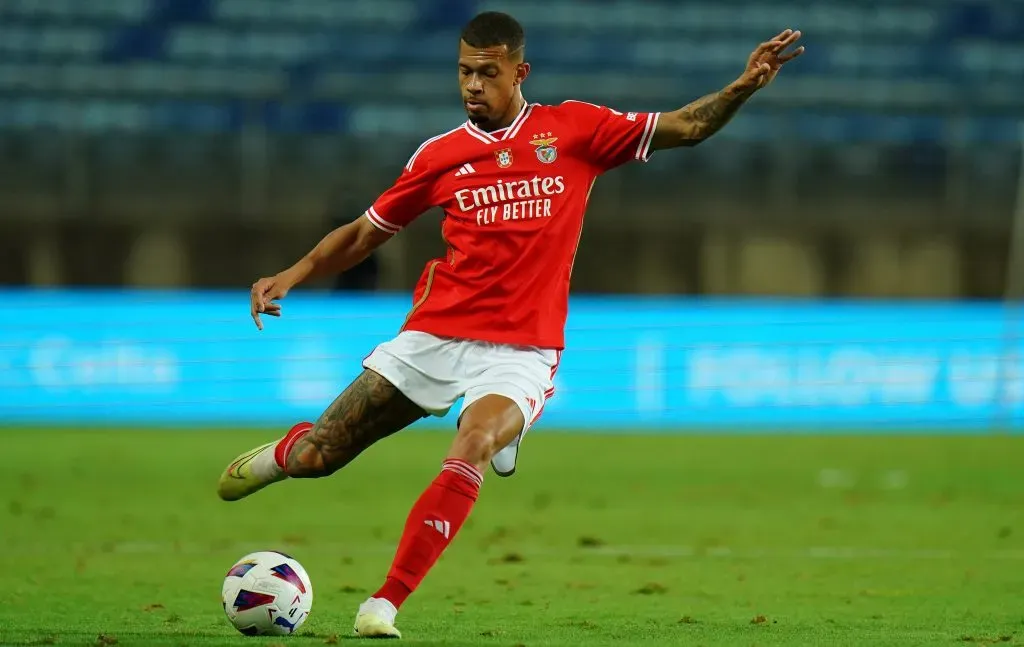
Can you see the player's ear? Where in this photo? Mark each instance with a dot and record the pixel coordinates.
(522, 71)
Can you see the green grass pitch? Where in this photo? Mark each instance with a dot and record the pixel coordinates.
(118, 538)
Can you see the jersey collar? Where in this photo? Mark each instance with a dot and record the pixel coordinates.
(501, 134)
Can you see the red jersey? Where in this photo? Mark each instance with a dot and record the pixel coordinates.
(513, 204)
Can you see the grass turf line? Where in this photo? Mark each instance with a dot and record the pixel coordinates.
(598, 540)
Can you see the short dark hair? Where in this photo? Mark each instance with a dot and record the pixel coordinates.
(493, 29)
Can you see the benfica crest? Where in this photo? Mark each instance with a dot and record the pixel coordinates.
(546, 153)
(504, 157)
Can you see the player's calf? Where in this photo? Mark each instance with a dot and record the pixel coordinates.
(370, 409)
(487, 426)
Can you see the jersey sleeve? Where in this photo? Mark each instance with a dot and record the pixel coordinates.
(613, 137)
(408, 197)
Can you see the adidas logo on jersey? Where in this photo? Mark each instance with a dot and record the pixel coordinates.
(465, 170)
(443, 527)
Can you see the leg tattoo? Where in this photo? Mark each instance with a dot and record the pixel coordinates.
(370, 409)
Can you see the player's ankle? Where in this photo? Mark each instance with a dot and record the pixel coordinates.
(394, 591)
(285, 445)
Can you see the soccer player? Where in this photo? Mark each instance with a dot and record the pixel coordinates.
(487, 319)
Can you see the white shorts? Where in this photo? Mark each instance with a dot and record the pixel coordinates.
(434, 372)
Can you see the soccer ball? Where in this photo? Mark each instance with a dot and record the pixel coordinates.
(267, 594)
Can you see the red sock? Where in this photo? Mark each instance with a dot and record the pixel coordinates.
(285, 444)
(435, 518)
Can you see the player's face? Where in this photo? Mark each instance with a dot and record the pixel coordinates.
(489, 77)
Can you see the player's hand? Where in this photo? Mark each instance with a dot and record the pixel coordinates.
(264, 296)
(769, 57)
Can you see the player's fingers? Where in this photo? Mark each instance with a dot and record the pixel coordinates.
(785, 58)
(262, 289)
(272, 309)
(760, 68)
(256, 302)
(788, 40)
(772, 44)
(271, 296)
(785, 36)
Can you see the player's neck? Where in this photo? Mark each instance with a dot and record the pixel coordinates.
(514, 108)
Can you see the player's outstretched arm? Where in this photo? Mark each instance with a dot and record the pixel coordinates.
(340, 250)
(695, 122)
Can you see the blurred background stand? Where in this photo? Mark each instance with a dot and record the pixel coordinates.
(364, 277)
(883, 163)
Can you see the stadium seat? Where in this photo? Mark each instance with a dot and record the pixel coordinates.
(349, 58)
(75, 10)
(30, 43)
(316, 14)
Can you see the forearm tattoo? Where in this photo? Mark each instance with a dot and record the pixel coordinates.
(370, 409)
(706, 116)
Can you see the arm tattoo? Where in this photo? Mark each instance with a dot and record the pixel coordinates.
(706, 116)
(370, 409)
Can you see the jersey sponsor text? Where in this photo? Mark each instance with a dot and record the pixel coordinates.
(511, 199)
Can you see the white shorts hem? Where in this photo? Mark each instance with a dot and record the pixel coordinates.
(436, 372)
(383, 364)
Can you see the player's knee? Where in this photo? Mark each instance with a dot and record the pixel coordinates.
(475, 444)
